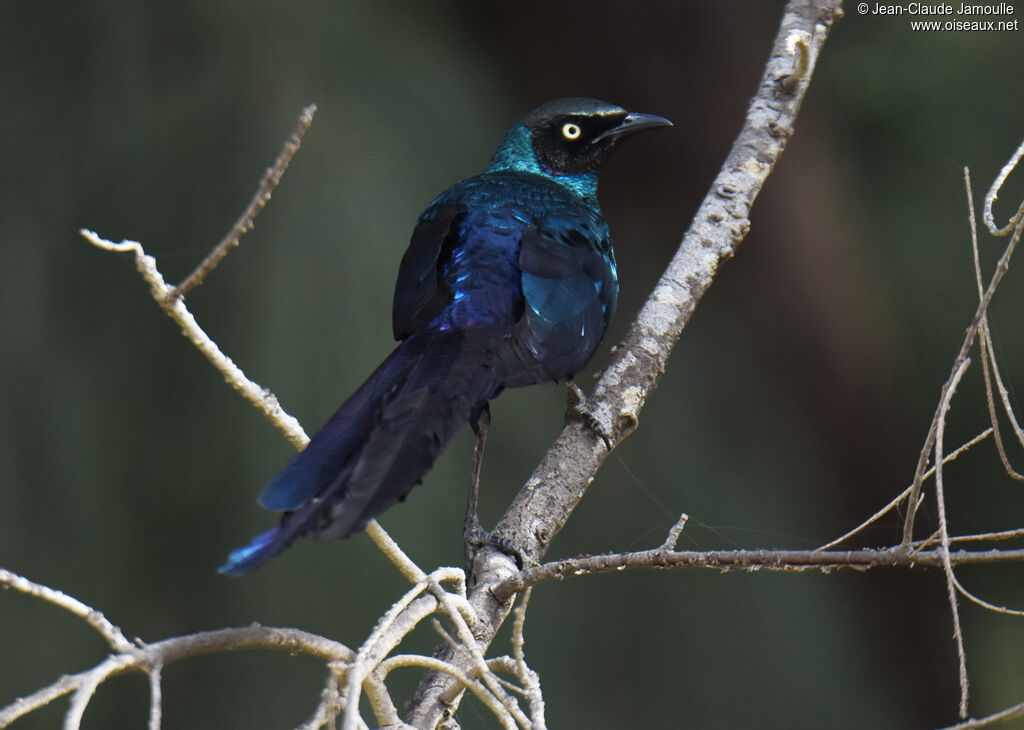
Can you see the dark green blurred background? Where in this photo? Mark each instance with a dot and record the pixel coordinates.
(793, 407)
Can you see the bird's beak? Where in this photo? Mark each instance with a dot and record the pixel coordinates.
(634, 123)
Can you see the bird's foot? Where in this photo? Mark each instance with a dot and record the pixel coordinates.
(577, 408)
(473, 533)
(574, 393)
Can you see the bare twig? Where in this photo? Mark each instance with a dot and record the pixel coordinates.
(147, 657)
(988, 536)
(175, 308)
(991, 369)
(113, 635)
(412, 572)
(1010, 713)
(400, 619)
(993, 193)
(947, 565)
(40, 698)
(371, 665)
(156, 710)
(90, 682)
(527, 677)
(988, 355)
(969, 336)
(245, 222)
(751, 560)
(906, 493)
(983, 603)
(478, 689)
(673, 534)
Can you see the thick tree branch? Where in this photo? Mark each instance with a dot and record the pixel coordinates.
(542, 507)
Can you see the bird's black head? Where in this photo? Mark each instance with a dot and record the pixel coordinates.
(575, 136)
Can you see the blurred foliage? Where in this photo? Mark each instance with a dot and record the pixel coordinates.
(793, 408)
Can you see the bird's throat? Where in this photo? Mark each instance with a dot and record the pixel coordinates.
(516, 153)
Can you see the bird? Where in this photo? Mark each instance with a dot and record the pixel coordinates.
(509, 280)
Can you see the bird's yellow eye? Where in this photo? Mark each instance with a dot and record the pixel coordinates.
(571, 131)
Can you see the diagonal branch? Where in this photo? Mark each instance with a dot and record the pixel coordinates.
(544, 504)
(175, 308)
(246, 221)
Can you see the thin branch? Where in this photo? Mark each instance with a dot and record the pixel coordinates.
(991, 369)
(380, 700)
(969, 336)
(993, 193)
(412, 572)
(175, 308)
(331, 701)
(947, 565)
(155, 697)
(146, 657)
(527, 677)
(986, 536)
(40, 698)
(750, 560)
(91, 681)
(113, 635)
(983, 603)
(393, 627)
(987, 351)
(368, 669)
(673, 534)
(476, 687)
(1011, 713)
(482, 668)
(246, 222)
(906, 493)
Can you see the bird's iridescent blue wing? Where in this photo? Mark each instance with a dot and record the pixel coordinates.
(569, 288)
(421, 293)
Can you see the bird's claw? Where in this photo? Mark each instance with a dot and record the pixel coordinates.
(594, 423)
(577, 408)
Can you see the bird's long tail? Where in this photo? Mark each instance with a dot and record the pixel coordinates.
(377, 446)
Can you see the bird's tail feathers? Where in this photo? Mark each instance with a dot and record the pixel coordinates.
(376, 447)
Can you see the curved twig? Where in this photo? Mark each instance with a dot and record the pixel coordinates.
(993, 193)
(947, 564)
(149, 657)
(113, 635)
